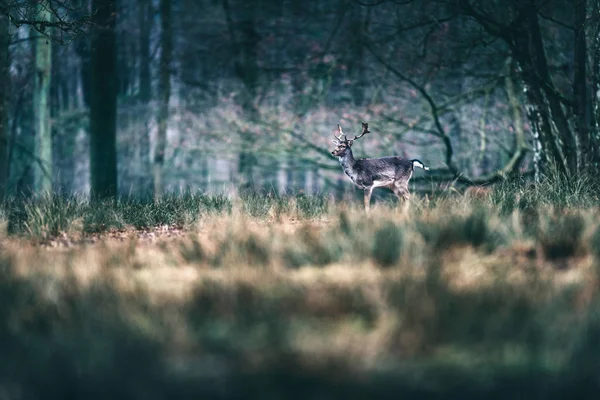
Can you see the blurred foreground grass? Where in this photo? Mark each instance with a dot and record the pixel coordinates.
(266, 297)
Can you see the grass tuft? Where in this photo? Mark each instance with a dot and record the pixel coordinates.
(472, 228)
(562, 236)
(49, 216)
(388, 245)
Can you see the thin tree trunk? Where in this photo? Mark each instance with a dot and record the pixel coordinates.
(356, 65)
(145, 22)
(595, 70)
(586, 156)
(4, 91)
(245, 39)
(24, 134)
(41, 107)
(515, 106)
(16, 122)
(82, 48)
(145, 95)
(166, 54)
(103, 101)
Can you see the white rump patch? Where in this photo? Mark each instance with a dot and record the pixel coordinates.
(420, 165)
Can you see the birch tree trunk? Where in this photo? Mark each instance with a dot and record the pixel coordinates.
(41, 106)
(556, 144)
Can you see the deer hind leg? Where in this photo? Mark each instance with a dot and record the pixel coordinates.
(367, 199)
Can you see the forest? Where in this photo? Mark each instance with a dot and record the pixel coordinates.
(134, 98)
(174, 222)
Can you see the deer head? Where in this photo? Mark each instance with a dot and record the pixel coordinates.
(342, 143)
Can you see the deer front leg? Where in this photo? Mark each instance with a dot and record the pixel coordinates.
(368, 192)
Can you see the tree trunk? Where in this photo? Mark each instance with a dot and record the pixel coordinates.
(531, 59)
(580, 104)
(82, 48)
(4, 90)
(555, 142)
(595, 70)
(103, 101)
(145, 21)
(145, 95)
(531, 55)
(41, 107)
(166, 40)
(245, 40)
(356, 63)
(246, 65)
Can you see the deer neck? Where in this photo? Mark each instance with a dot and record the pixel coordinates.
(348, 164)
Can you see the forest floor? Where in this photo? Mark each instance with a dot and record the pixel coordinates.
(298, 297)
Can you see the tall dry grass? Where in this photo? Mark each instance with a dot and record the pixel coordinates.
(262, 297)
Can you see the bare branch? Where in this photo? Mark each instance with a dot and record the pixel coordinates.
(61, 23)
(489, 24)
(432, 105)
(379, 2)
(557, 22)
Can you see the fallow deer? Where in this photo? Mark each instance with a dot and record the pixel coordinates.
(369, 173)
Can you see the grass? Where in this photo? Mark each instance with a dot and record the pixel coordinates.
(49, 216)
(272, 297)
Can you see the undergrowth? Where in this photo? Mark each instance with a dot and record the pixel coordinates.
(268, 296)
(48, 216)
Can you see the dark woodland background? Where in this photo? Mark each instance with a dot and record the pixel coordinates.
(142, 97)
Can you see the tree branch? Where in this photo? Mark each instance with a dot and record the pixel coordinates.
(18, 14)
(432, 105)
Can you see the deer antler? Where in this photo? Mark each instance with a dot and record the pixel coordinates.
(365, 130)
(339, 138)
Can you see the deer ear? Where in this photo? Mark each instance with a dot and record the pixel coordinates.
(350, 142)
(335, 142)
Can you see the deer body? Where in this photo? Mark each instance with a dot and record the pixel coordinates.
(369, 173)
